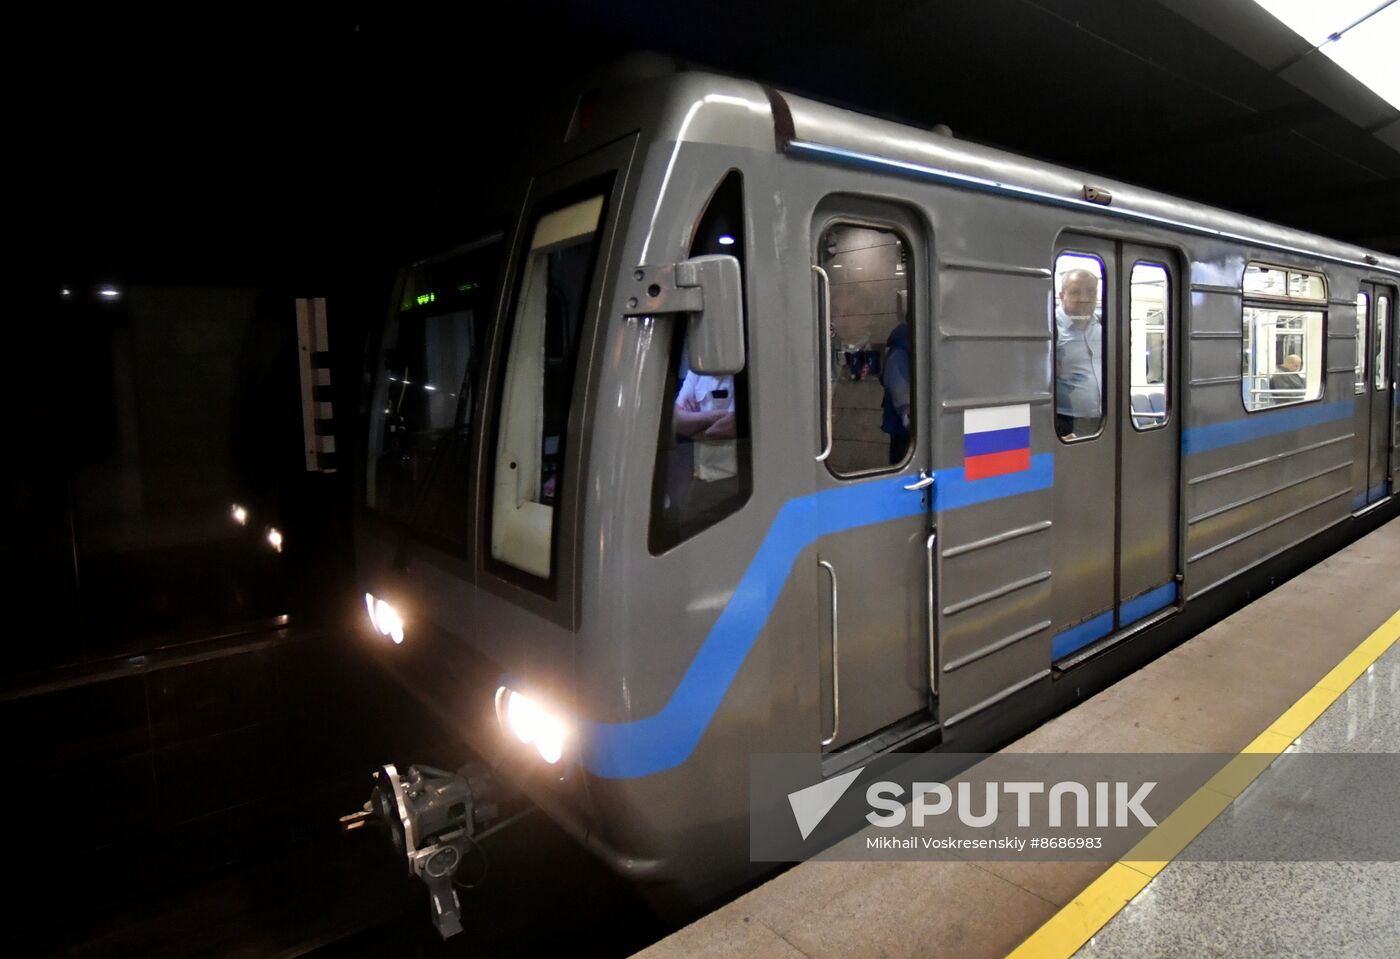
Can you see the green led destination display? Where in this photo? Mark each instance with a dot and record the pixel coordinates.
(412, 301)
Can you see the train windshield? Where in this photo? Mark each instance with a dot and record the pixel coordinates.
(420, 416)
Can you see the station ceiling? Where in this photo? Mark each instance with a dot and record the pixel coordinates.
(329, 134)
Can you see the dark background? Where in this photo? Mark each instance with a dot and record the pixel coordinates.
(186, 710)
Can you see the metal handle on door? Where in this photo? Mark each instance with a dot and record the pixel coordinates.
(824, 314)
(835, 662)
(923, 482)
(932, 620)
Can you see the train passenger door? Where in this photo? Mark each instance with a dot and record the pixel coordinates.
(1118, 460)
(1375, 305)
(873, 500)
(1150, 437)
(1394, 394)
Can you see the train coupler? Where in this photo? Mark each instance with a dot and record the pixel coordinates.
(432, 817)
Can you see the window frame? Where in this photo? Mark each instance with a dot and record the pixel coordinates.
(1274, 301)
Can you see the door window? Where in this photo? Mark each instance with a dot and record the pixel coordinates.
(871, 349)
(1363, 303)
(1080, 344)
(1382, 339)
(1150, 317)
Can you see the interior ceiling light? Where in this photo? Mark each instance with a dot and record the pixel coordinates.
(1360, 36)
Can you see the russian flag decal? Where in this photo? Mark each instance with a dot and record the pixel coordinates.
(996, 441)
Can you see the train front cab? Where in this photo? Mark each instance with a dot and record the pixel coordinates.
(691, 569)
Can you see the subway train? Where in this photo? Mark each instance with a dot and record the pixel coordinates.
(762, 426)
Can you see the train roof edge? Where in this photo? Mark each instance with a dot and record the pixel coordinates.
(703, 106)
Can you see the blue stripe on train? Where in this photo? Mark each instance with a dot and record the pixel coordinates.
(666, 738)
(1077, 637)
(1201, 439)
(1147, 604)
(997, 441)
(1373, 495)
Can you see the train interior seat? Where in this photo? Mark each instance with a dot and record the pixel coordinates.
(1141, 404)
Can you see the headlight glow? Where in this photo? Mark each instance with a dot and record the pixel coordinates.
(549, 739)
(521, 717)
(530, 722)
(388, 621)
(384, 618)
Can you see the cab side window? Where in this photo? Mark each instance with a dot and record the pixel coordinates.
(704, 468)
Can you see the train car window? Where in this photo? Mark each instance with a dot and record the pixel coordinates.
(1382, 339)
(1363, 303)
(537, 383)
(704, 456)
(420, 417)
(1080, 343)
(1284, 327)
(872, 346)
(1150, 320)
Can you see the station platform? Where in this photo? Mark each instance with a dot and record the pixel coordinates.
(1312, 666)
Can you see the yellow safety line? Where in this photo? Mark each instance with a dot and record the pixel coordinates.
(1064, 933)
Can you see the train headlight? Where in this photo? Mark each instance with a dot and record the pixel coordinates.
(530, 722)
(385, 618)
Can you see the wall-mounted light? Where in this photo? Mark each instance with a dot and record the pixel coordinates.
(240, 515)
(109, 292)
(274, 538)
